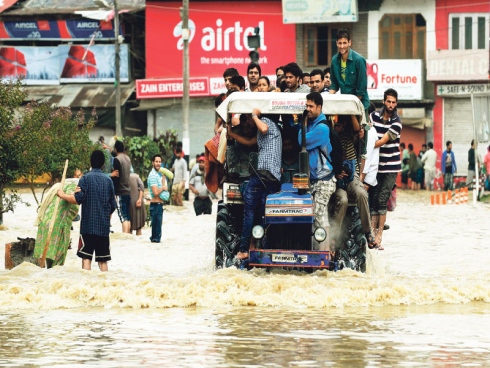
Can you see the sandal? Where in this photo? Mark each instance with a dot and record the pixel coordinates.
(371, 241)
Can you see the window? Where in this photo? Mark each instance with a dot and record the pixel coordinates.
(402, 36)
(320, 44)
(468, 31)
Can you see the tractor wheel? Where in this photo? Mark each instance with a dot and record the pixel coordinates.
(227, 239)
(352, 254)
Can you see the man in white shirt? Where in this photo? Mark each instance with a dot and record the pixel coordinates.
(429, 159)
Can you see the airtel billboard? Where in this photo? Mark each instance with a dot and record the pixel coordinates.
(218, 38)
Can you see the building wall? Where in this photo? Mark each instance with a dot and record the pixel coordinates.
(360, 35)
(443, 9)
(201, 122)
(424, 7)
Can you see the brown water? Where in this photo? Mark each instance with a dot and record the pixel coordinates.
(423, 302)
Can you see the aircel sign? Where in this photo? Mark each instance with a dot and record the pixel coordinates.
(218, 38)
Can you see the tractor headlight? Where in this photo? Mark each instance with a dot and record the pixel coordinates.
(320, 234)
(258, 232)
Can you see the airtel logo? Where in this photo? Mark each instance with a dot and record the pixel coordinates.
(221, 39)
(178, 33)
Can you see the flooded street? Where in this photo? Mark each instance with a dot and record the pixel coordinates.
(424, 300)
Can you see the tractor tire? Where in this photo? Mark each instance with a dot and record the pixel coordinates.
(352, 253)
(227, 241)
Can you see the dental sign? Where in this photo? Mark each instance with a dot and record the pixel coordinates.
(217, 39)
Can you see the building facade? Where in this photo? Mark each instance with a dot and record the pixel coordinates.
(394, 36)
(459, 68)
(65, 52)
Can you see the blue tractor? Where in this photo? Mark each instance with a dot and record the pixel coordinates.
(286, 236)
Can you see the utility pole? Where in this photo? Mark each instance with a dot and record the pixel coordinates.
(117, 71)
(184, 13)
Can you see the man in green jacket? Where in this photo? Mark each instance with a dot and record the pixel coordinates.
(348, 74)
(348, 70)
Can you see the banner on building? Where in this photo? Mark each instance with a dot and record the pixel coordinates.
(319, 11)
(5, 4)
(405, 76)
(63, 64)
(458, 65)
(171, 87)
(79, 29)
(218, 38)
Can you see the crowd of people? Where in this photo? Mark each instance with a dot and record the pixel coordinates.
(348, 162)
(421, 170)
(112, 186)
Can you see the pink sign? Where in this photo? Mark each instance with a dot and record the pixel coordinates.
(170, 87)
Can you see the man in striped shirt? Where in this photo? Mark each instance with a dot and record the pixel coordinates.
(388, 127)
(157, 184)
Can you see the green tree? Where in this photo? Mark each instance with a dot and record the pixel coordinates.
(166, 142)
(11, 97)
(48, 136)
(141, 150)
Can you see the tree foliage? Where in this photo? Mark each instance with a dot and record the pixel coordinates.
(166, 143)
(141, 150)
(11, 97)
(48, 136)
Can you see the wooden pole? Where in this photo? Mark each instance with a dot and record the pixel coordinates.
(51, 223)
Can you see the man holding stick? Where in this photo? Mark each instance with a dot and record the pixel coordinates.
(95, 192)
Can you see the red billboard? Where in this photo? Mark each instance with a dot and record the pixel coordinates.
(218, 38)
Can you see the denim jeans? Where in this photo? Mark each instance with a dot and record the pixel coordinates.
(124, 204)
(254, 198)
(448, 181)
(156, 214)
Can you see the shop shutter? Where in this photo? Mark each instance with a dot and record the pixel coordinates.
(458, 128)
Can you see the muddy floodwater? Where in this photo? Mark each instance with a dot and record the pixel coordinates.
(424, 300)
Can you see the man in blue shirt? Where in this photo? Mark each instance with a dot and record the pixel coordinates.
(95, 192)
(448, 166)
(319, 149)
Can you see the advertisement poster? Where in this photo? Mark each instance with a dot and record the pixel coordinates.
(319, 11)
(63, 64)
(78, 29)
(218, 38)
(38, 65)
(92, 65)
(405, 76)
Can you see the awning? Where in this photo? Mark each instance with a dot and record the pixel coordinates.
(36, 7)
(157, 103)
(74, 95)
(419, 123)
(5, 4)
